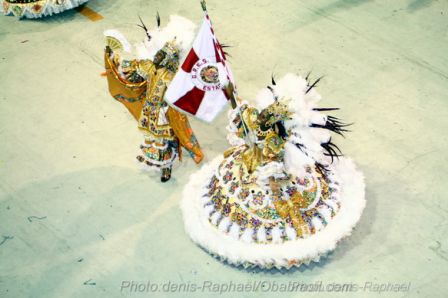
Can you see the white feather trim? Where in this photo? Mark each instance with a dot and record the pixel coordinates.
(286, 254)
(272, 169)
(263, 99)
(50, 8)
(295, 160)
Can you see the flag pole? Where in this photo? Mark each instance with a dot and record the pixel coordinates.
(247, 130)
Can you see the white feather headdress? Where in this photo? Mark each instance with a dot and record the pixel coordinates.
(179, 28)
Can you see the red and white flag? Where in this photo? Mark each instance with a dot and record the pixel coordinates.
(196, 89)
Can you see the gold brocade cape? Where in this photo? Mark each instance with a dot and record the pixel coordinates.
(133, 95)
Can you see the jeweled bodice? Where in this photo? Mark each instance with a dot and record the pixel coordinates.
(153, 117)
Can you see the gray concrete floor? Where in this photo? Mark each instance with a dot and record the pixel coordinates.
(77, 218)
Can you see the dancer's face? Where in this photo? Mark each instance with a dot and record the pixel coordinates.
(263, 117)
(158, 58)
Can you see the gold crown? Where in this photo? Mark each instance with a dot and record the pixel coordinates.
(171, 48)
(277, 111)
(172, 53)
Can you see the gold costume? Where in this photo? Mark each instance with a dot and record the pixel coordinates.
(140, 86)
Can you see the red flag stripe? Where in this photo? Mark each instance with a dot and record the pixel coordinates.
(221, 51)
(191, 101)
(190, 61)
(217, 55)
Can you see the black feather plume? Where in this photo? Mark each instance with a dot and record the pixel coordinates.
(331, 150)
(322, 168)
(158, 19)
(333, 124)
(143, 26)
(313, 85)
(273, 80)
(300, 146)
(307, 77)
(225, 46)
(272, 90)
(325, 109)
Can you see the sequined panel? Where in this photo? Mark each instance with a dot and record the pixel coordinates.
(244, 204)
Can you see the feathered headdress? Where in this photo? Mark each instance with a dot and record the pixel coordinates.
(179, 32)
(178, 29)
(309, 129)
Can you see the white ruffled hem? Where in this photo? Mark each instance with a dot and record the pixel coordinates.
(283, 255)
(50, 8)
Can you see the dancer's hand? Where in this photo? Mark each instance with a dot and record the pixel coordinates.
(229, 92)
(228, 89)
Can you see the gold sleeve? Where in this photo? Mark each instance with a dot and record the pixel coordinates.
(128, 93)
